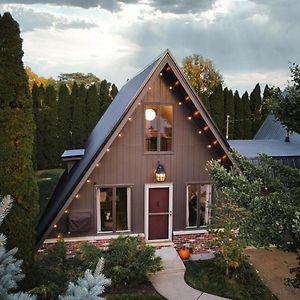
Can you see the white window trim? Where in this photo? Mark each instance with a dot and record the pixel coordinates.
(128, 209)
(208, 202)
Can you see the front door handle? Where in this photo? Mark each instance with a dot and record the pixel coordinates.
(170, 213)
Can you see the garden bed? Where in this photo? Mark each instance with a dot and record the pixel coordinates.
(242, 284)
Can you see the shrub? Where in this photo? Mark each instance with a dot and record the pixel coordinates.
(129, 261)
(88, 255)
(51, 272)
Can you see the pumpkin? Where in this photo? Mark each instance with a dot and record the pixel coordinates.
(184, 253)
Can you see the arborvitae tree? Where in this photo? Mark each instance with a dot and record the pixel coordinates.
(265, 102)
(247, 116)
(78, 124)
(16, 140)
(229, 111)
(73, 96)
(217, 107)
(40, 128)
(50, 140)
(105, 99)
(63, 119)
(239, 116)
(92, 109)
(256, 106)
(36, 101)
(114, 91)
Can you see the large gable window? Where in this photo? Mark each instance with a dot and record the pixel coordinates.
(113, 209)
(158, 128)
(198, 204)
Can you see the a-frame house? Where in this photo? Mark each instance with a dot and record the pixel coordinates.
(143, 168)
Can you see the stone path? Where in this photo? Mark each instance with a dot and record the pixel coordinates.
(170, 281)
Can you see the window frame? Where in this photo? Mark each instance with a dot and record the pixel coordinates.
(114, 205)
(207, 204)
(159, 105)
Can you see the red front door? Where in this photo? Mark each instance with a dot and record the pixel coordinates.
(158, 213)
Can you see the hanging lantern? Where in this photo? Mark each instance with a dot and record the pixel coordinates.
(160, 173)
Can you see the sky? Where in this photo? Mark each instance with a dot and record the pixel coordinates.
(249, 41)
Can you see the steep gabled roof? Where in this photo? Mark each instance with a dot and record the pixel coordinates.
(271, 129)
(103, 132)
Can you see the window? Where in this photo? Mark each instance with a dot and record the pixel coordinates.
(198, 202)
(113, 209)
(158, 128)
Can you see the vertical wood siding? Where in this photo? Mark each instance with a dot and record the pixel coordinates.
(127, 163)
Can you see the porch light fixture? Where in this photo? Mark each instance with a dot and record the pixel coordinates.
(150, 114)
(160, 173)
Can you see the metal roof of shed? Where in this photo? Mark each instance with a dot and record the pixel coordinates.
(252, 148)
(271, 129)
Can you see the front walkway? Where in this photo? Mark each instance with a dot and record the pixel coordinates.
(170, 281)
(273, 265)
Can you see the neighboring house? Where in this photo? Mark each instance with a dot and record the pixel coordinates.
(271, 140)
(143, 168)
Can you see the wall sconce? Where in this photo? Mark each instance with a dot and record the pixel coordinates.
(160, 173)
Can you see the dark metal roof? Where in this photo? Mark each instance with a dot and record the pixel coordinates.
(252, 148)
(271, 129)
(93, 146)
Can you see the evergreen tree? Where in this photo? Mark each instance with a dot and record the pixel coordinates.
(239, 116)
(265, 102)
(16, 140)
(114, 91)
(247, 117)
(92, 109)
(36, 108)
(63, 119)
(10, 267)
(40, 127)
(73, 97)
(229, 111)
(256, 106)
(105, 99)
(50, 137)
(78, 124)
(216, 100)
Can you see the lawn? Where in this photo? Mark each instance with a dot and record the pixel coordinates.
(47, 181)
(244, 284)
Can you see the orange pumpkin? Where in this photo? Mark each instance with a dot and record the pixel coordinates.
(184, 253)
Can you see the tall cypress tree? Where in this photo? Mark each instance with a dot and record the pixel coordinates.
(63, 119)
(73, 97)
(114, 91)
(78, 124)
(36, 107)
(104, 96)
(217, 107)
(229, 110)
(256, 106)
(40, 128)
(265, 105)
(50, 138)
(247, 117)
(239, 117)
(92, 109)
(16, 140)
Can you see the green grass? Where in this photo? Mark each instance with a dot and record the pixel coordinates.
(47, 181)
(244, 284)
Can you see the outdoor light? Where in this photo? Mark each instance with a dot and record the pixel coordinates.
(160, 173)
(150, 114)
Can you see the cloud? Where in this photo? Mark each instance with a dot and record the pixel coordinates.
(110, 5)
(30, 19)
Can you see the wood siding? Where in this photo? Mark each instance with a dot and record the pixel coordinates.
(127, 163)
